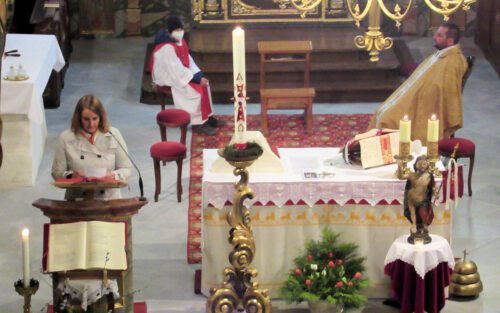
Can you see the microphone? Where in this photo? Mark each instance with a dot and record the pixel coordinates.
(141, 187)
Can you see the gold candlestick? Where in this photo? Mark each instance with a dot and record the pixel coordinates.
(433, 157)
(238, 292)
(403, 158)
(26, 292)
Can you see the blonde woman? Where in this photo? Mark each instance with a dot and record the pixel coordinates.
(91, 145)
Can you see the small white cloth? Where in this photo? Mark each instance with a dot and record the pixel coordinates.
(423, 258)
(89, 291)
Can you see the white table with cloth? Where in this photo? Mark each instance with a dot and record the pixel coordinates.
(21, 106)
(288, 210)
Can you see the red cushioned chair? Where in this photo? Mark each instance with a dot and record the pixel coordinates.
(172, 118)
(465, 149)
(167, 151)
(162, 92)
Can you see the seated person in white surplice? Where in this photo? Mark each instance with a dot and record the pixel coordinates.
(172, 65)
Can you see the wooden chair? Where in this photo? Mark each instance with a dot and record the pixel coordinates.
(459, 148)
(470, 64)
(162, 92)
(286, 98)
(167, 151)
(173, 118)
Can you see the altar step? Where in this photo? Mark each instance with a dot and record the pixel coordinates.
(340, 72)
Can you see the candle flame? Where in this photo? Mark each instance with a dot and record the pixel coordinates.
(25, 232)
(405, 118)
(433, 117)
(238, 29)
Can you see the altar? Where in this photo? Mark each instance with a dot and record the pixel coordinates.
(316, 190)
(21, 106)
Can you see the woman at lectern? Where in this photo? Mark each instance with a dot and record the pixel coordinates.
(91, 148)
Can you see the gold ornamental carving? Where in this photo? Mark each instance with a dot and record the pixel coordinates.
(374, 40)
(238, 292)
(268, 11)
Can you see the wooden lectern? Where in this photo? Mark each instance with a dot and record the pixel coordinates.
(90, 209)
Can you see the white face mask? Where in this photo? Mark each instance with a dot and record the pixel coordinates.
(178, 35)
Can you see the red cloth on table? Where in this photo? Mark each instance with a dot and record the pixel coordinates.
(414, 293)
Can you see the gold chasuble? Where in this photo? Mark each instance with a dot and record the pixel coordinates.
(435, 87)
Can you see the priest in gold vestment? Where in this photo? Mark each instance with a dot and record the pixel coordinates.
(435, 87)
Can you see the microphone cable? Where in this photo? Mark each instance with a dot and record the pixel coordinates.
(141, 187)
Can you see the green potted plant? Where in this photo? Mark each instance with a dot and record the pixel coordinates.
(328, 275)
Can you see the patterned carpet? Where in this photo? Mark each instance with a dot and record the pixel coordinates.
(286, 131)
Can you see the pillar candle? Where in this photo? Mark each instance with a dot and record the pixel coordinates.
(239, 74)
(239, 77)
(433, 129)
(404, 129)
(25, 234)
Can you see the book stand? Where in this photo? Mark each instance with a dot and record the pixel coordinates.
(90, 209)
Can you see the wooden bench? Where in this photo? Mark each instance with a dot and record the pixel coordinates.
(300, 97)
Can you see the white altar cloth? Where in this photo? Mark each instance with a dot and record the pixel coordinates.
(364, 205)
(21, 106)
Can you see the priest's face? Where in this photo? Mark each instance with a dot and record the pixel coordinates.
(89, 121)
(441, 40)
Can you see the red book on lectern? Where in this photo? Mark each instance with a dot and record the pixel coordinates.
(84, 245)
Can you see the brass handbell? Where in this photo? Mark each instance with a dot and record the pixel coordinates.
(465, 280)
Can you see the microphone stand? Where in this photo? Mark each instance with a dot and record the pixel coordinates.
(141, 186)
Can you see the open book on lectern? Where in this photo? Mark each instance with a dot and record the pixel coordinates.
(84, 246)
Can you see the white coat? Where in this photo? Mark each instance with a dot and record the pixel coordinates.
(75, 152)
(169, 71)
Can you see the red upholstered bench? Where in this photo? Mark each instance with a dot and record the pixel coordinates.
(172, 118)
(466, 149)
(167, 151)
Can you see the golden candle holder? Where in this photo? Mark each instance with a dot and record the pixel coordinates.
(433, 157)
(402, 159)
(238, 292)
(26, 292)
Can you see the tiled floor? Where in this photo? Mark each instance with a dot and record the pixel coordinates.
(111, 70)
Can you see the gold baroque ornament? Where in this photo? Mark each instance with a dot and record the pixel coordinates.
(238, 292)
(374, 40)
(283, 4)
(305, 6)
(197, 9)
(240, 7)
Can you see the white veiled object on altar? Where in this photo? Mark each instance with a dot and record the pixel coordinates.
(267, 163)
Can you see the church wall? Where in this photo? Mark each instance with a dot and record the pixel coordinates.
(153, 13)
